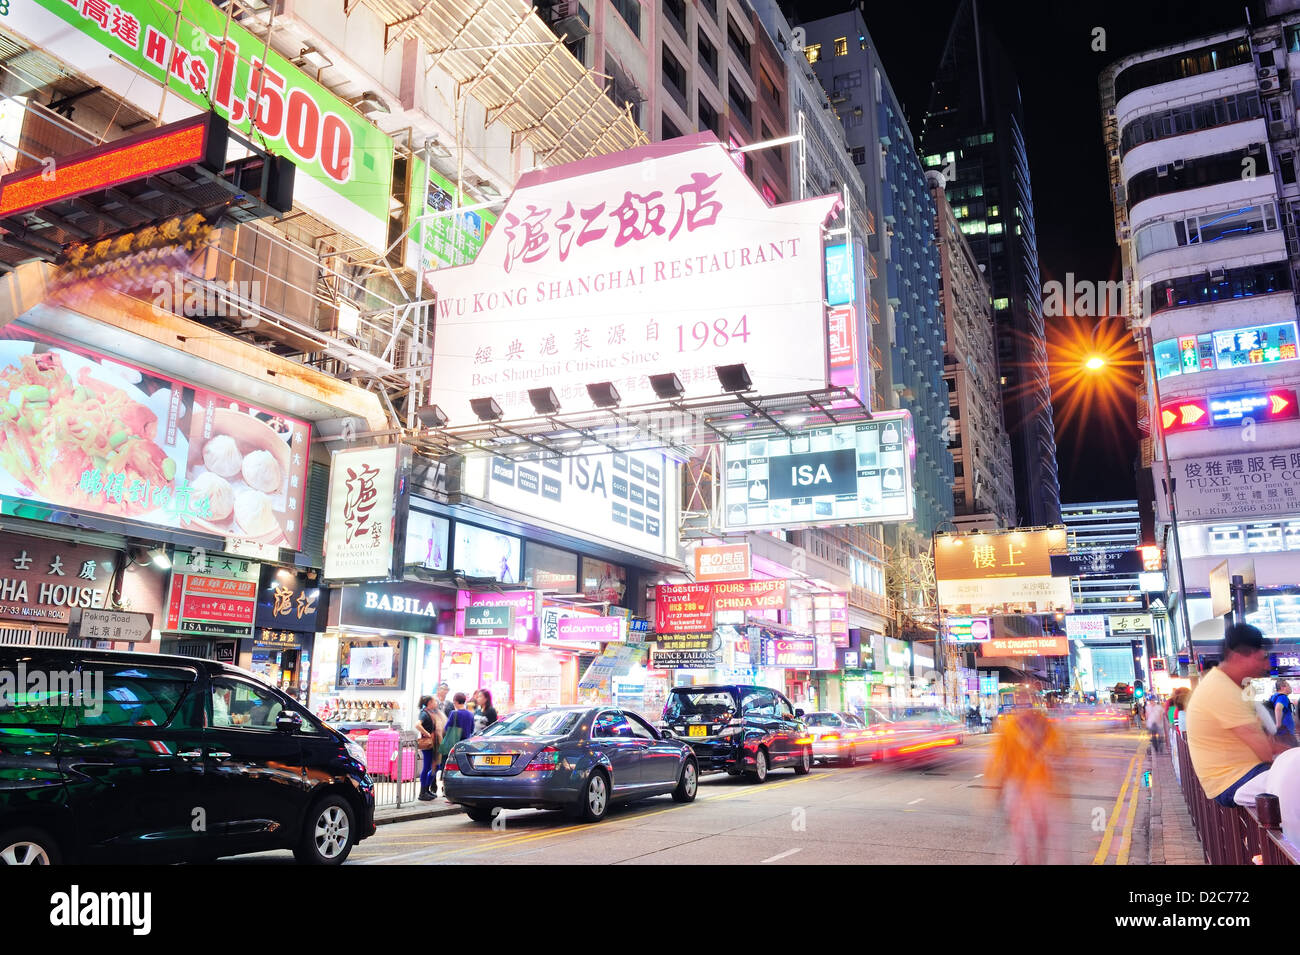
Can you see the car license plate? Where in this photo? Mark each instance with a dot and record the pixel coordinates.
(493, 760)
(698, 731)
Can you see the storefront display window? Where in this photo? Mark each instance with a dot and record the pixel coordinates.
(603, 581)
(484, 553)
(426, 540)
(549, 569)
(537, 680)
(371, 662)
(1230, 348)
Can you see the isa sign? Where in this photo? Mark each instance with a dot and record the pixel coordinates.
(836, 475)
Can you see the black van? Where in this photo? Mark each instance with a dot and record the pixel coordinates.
(141, 757)
(738, 729)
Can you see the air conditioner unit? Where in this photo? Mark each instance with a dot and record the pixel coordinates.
(1162, 170)
(1268, 85)
(1217, 275)
(1268, 72)
(1178, 164)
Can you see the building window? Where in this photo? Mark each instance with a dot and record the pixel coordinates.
(995, 228)
(1194, 173)
(676, 10)
(1166, 69)
(1001, 303)
(812, 52)
(740, 103)
(841, 46)
(674, 77)
(1211, 227)
(1228, 284)
(668, 130)
(630, 11)
(739, 45)
(707, 53)
(847, 81)
(859, 154)
(1231, 348)
(708, 116)
(1207, 114)
(769, 193)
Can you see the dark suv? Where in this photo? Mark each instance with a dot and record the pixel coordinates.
(141, 757)
(739, 729)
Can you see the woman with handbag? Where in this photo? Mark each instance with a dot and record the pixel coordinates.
(427, 727)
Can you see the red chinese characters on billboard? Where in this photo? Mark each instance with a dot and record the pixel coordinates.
(684, 608)
(359, 501)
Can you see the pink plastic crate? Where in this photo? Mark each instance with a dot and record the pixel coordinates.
(381, 745)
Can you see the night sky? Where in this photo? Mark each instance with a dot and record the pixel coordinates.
(1051, 47)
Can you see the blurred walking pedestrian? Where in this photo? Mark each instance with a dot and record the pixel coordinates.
(1027, 748)
(429, 727)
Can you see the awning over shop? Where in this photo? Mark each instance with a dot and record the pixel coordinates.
(504, 55)
(136, 331)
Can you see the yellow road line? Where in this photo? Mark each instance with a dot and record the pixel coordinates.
(511, 841)
(1103, 851)
(1126, 842)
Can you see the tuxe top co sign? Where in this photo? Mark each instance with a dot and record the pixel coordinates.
(659, 259)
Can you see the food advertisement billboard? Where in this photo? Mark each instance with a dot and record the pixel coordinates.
(84, 431)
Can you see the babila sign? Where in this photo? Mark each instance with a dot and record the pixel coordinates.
(658, 259)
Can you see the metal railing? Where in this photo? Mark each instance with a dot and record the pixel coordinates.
(400, 785)
(1229, 835)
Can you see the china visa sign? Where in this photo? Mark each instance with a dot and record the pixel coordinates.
(659, 259)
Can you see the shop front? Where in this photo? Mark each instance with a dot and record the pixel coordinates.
(46, 584)
(288, 611)
(211, 606)
(379, 653)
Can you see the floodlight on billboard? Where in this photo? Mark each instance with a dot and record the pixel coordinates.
(843, 474)
(615, 268)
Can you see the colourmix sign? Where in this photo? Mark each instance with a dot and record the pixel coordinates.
(212, 62)
(658, 259)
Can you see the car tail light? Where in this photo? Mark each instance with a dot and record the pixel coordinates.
(733, 727)
(801, 740)
(545, 761)
(450, 767)
(830, 736)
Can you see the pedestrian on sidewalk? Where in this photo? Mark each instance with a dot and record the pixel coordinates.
(1026, 749)
(1177, 707)
(484, 699)
(1227, 744)
(431, 719)
(460, 725)
(444, 704)
(1155, 720)
(1279, 705)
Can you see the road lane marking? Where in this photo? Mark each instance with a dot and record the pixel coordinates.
(977, 776)
(916, 800)
(1126, 841)
(781, 855)
(1103, 851)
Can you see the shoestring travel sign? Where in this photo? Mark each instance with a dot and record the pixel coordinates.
(845, 474)
(213, 63)
(659, 259)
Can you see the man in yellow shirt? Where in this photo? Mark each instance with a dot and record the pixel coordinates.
(1227, 744)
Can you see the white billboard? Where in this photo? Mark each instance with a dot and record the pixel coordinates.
(362, 515)
(1241, 485)
(1006, 595)
(654, 260)
(1090, 626)
(834, 475)
(630, 499)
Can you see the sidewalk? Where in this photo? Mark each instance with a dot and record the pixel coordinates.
(1172, 839)
(416, 810)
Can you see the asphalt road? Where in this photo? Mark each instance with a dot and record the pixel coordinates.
(941, 812)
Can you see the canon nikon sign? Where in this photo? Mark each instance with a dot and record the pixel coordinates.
(659, 259)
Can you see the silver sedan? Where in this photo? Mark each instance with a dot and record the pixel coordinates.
(837, 736)
(576, 758)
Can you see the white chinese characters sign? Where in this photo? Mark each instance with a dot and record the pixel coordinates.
(659, 259)
(361, 522)
(1245, 484)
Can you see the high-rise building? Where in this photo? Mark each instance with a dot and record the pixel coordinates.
(974, 132)
(981, 454)
(906, 290)
(684, 66)
(1202, 139)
